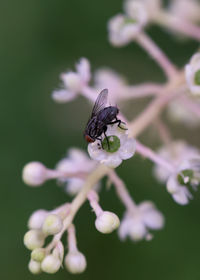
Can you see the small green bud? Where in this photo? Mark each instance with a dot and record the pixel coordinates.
(38, 254)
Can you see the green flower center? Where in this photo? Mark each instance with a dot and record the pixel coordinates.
(197, 78)
(129, 21)
(111, 144)
(185, 174)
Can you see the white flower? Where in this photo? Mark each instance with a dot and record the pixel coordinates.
(76, 161)
(147, 8)
(73, 82)
(122, 29)
(175, 152)
(192, 74)
(186, 10)
(136, 224)
(36, 220)
(178, 112)
(179, 192)
(121, 147)
(107, 78)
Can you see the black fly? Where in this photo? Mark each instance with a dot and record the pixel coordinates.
(100, 118)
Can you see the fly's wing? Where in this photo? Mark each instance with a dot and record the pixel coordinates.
(100, 102)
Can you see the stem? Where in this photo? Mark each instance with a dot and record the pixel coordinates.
(155, 107)
(163, 131)
(157, 54)
(178, 24)
(191, 105)
(148, 153)
(57, 174)
(122, 191)
(78, 201)
(93, 200)
(142, 90)
(71, 238)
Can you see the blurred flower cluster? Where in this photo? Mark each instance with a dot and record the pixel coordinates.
(176, 163)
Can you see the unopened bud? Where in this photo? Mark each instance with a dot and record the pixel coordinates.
(38, 254)
(34, 174)
(107, 222)
(34, 267)
(36, 220)
(34, 239)
(75, 262)
(50, 264)
(52, 224)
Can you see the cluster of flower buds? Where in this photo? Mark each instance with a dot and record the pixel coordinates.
(49, 259)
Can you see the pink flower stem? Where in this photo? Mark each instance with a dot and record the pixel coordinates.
(71, 238)
(163, 131)
(122, 191)
(178, 24)
(157, 54)
(142, 90)
(191, 105)
(57, 174)
(93, 199)
(150, 154)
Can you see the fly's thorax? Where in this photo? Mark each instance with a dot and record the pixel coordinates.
(108, 114)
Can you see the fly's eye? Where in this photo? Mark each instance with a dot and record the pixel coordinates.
(89, 139)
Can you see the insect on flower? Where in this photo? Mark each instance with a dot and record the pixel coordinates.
(100, 118)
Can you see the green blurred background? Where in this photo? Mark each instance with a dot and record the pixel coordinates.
(39, 40)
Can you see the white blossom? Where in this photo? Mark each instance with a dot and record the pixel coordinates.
(186, 10)
(136, 224)
(121, 147)
(122, 29)
(147, 8)
(192, 74)
(178, 112)
(73, 82)
(180, 193)
(75, 161)
(175, 152)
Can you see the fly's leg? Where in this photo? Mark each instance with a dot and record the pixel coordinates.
(106, 137)
(118, 122)
(100, 139)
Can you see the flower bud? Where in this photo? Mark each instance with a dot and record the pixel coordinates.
(75, 262)
(52, 224)
(34, 267)
(36, 220)
(38, 254)
(34, 174)
(107, 222)
(50, 264)
(34, 239)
